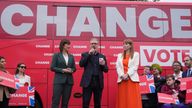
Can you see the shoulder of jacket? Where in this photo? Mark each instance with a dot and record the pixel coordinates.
(85, 53)
(56, 54)
(119, 55)
(136, 53)
(71, 55)
(27, 76)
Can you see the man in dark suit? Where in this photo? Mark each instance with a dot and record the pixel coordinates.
(188, 64)
(92, 81)
(63, 64)
(187, 73)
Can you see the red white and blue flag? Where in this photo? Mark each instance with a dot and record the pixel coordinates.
(147, 84)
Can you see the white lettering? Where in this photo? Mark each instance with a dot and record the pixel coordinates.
(42, 46)
(116, 47)
(80, 46)
(18, 95)
(42, 62)
(60, 20)
(80, 26)
(178, 23)
(114, 18)
(159, 28)
(6, 19)
(163, 55)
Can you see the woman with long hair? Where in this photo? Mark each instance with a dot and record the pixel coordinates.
(128, 79)
(24, 80)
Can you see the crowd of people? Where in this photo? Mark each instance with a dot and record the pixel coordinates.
(169, 84)
(24, 80)
(95, 65)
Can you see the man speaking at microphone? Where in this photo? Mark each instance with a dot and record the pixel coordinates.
(94, 64)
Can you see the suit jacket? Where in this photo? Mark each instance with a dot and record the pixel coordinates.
(132, 67)
(184, 75)
(59, 63)
(88, 65)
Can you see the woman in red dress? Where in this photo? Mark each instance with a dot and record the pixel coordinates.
(128, 79)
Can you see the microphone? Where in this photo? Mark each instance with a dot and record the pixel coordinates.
(94, 51)
(93, 47)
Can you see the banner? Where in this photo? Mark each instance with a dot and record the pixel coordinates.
(184, 82)
(166, 98)
(189, 92)
(8, 80)
(147, 84)
(24, 96)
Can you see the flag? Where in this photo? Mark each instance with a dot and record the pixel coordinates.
(147, 84)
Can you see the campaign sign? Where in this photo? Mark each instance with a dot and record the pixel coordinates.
(189, 92)
(8, 80)
(184, 82)
(166, 98)
(24, 96)
(147, 84)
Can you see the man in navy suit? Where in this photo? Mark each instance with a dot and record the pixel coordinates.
(94, 64)
(188, 64)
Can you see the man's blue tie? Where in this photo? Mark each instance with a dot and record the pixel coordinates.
(189, 73)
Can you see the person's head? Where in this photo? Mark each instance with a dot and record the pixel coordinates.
(156, 68)
(188, 61)
(170, 80)
(20, 68)
(177, 66)
(64, 45)
(94, 43)
(2, 62)
(128, 46)
(147, 70)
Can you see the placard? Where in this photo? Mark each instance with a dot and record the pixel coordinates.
(147, 84)
(24, 96)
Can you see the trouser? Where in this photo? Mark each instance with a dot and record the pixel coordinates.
(94, 88)
(5, 102)
(61, 90)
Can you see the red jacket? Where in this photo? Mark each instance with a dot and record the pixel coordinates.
(168, 90)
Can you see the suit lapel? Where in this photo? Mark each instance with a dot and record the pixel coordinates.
(62, 59)
(70, 59)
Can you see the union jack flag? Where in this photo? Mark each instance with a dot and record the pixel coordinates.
(150, 80)
(147, 84)
(31, 91)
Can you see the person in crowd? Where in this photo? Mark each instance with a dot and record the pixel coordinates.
(158, 79)
(178, 69)
(94, 64)
(188, 73)
(147, 70)
(188, 64)
(148, 99)
(24, 80)
(128, 79)
(4, 91)
(173, 89)
(63, 64)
